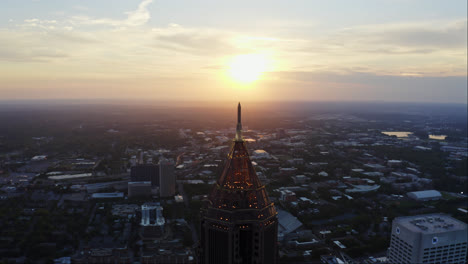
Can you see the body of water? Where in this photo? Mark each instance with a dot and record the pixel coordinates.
(399, 134)
(438, 137)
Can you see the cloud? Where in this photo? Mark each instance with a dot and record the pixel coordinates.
(35, 20)
(405, 37)
(36, 55)
(81, 7)
(196, 41)
(134, 18)
(139, 16)
(433, 48)
(17, 47)
(39, 23)
(389, 39)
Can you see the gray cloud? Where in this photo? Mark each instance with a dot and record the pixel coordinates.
(404, 38)
(446, 36)
(18, 48)
(41, 46)
(390, 39)
(32, 55)
(368, 86)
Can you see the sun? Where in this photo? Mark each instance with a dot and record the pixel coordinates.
(247, 68)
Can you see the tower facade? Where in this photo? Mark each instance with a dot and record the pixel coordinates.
(239, 223)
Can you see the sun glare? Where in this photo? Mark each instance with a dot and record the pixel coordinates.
(247, 68)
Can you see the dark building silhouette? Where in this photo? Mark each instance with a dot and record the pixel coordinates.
(145, 173)
(239, 224)
(167, 179)
(139, 189)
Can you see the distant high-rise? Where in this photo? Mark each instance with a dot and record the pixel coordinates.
(239, 223)
(433, 238)
(145, 172)
(167, 180)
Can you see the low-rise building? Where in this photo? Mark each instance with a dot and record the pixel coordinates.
(287, 196)
(107, 195)
(299, 179)
(428, 195)
(139, 189)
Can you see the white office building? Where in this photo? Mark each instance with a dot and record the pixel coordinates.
(152, 221)
(151, 215)
(433, 238)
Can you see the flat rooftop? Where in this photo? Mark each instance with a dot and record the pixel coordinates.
(107, 195)
(431, 223)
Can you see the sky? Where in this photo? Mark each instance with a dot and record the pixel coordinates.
(182, 50)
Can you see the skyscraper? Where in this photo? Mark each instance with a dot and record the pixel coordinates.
(434, 238)
(167, 180)
(239, 223)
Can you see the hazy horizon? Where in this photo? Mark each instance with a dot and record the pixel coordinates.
(227, 109)
(228, 103)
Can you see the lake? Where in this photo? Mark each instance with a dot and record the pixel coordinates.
(438, 137)
(399, 134)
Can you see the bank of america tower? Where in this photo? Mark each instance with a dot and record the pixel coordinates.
(239, 223)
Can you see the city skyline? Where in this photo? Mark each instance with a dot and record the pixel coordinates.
(388, 50)
(94, 183)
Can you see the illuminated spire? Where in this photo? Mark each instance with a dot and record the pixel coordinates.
(239, 124)
(239, 223)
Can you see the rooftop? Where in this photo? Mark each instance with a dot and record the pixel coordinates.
(425, 194)
(431, 223)
(151, 215)
(70, 176)
(107, 195)
(287, 222)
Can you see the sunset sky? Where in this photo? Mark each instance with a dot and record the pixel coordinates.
(392, 50)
